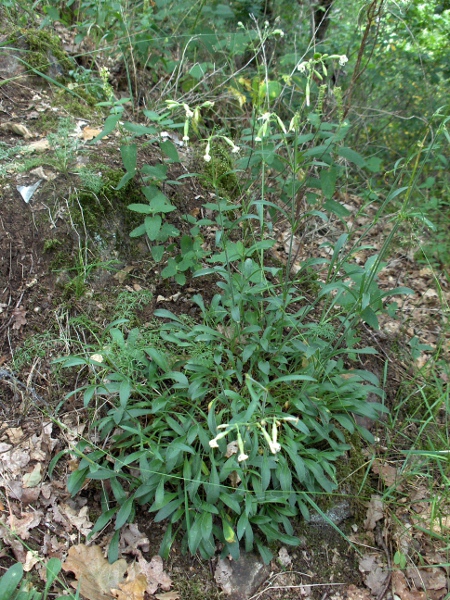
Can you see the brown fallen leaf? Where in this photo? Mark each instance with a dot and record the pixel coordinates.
(123, 273)
(387, 473)
(154, 572)
(16, 128)
(134, 587)
(354, 593)
(18, 314)
(374, 512)
(21, 527)
(37, 146)
(168, 596)
(93, 572)
(433, 581)
(401, 588)
(131, 540)
(89, 133)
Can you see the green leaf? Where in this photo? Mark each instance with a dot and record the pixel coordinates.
(328, 181)
(113, 550)
(10, 580)
(170, 150)
(52, 570)
(159, 358)
(76, 480)
(170, 270)
(206, 525)
(124, 392)
(140, 208)
(336, 208)
(168, 509)
(139, 129)
(195, 534)
(265, 553)
(74, 361)
(166, 544)
(369, 316)
(108, 127)
(351, 156)
(137, 231)
(231, 502)
(152, 226)
(124, 512)
(228, 531)
(157, 252)
(103, 520)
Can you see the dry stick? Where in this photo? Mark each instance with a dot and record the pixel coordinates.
(373, 12)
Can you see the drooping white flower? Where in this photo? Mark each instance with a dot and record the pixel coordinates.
(97, 358)
(242, 457)
(302, 67)
(213, 443)
(207, 157)
(188, 111)
(343, 60)
(274, 447)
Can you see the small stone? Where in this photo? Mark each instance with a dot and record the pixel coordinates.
(240, 579)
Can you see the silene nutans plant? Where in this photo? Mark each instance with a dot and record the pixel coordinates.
(229, 425)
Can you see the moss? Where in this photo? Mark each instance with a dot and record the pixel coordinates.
(104, 214)
(51, 244)
(43, 48)
(75, 106)
(61, 261)
(220, 169)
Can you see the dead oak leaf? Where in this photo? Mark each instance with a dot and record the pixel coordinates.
(21, 527)
(154, 572)
(131, 540)
(94, 574)
(401, 588)
(431, 580)
(168, 596)
(18, 314)
(134, 587)
(17, 128)
(89, 133)
(387, 473)
(374, 512)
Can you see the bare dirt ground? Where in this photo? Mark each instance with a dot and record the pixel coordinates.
(51, 287)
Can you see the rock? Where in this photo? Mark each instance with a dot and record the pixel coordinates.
(240, 579)
(336, 514)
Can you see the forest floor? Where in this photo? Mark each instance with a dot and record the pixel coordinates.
(57, 293)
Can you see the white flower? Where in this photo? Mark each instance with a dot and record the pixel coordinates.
(207, 157)
(343, 60)
(274, 447)
(302, 67)
(235, 149)
(258, 139)
(188, 111)
(265, 117)
(242, 457)
(185, 138)
(97, 358)
(279, 32)
(213, 443)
